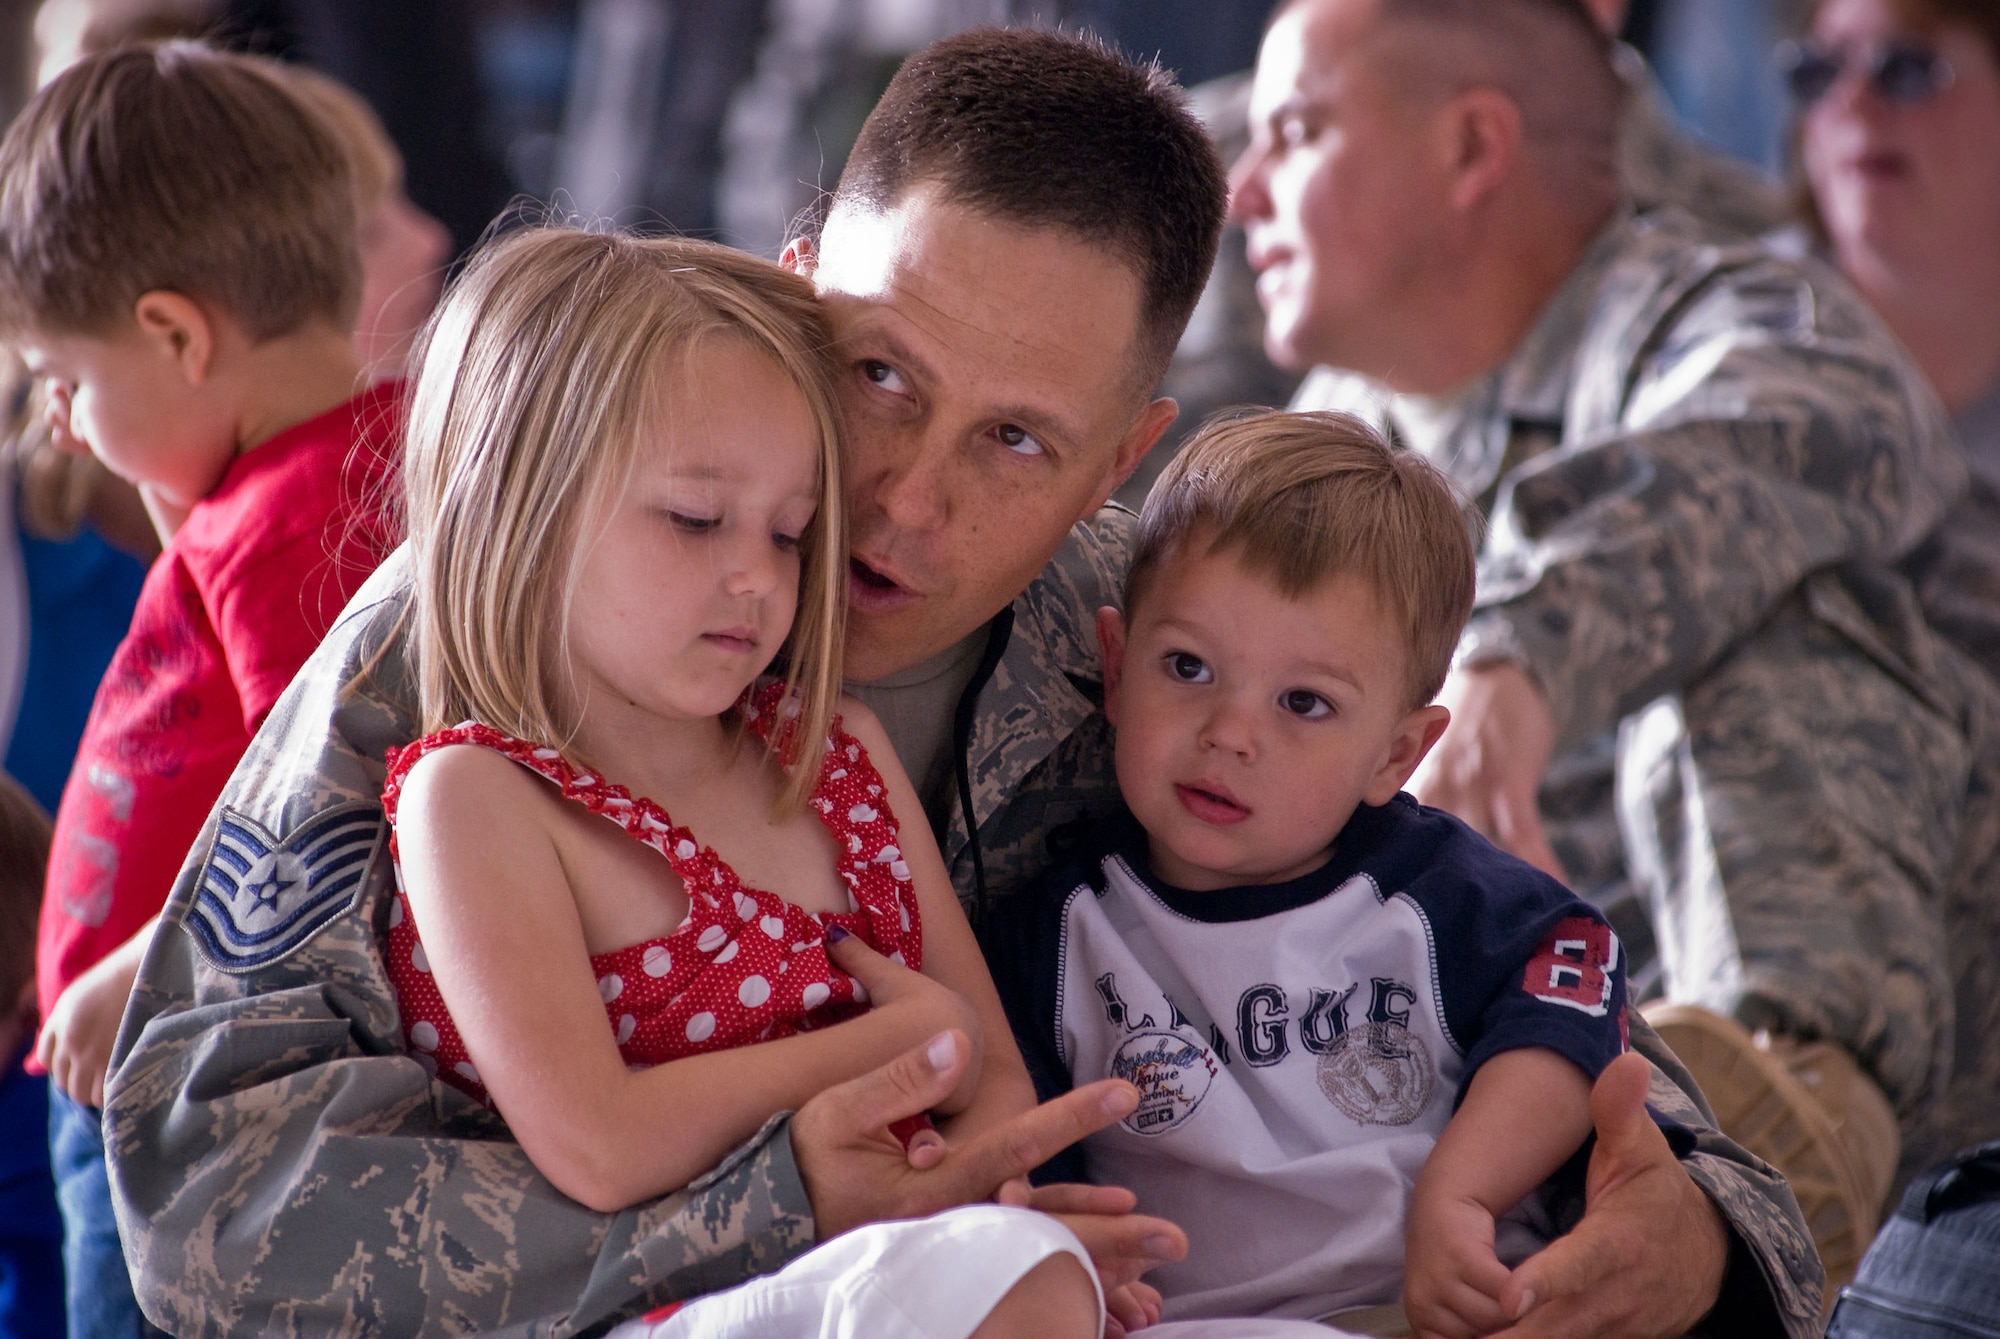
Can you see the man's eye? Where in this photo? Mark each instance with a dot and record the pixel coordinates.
(1305, 702)
(882, 374)
(1018, 439)
(1188, 668)
(1291, 132)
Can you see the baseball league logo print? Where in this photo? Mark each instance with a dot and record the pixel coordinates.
(1378, 1073)
(1172, 1075)
(261, 897)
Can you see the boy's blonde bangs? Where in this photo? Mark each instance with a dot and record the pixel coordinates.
(1301, 498)
(534, 382)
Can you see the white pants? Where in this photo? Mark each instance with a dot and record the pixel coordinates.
(928, 1278)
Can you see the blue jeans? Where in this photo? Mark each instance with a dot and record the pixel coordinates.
(1931, 1273)
(101, 1305)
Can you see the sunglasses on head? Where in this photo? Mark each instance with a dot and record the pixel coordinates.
(1903, 72)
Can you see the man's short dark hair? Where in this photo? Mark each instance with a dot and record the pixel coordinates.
(1056, 130)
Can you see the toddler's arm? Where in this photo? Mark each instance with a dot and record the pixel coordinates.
(1525, 1114)
(506, 949)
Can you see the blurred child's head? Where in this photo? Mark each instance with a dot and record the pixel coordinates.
(158, 204)
(1291, 610)
(403, 249)
(68, 30)
(24, 860)
(592, 410)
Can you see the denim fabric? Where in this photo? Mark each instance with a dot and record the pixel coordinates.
(101, 1305)
(1934, 1271)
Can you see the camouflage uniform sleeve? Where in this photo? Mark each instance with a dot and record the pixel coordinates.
(1775, 1278)
(1732, 427)
(280, 1164)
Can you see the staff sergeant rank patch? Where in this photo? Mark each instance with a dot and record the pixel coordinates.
(262, 897)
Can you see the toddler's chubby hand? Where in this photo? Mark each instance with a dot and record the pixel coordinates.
(75, 1044)
(1452, 1279)
(1129, 1307)
(930, 1006)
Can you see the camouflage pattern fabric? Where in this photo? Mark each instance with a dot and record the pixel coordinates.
(1039, 753)
(281, 1167)
(1705, 471)
(1660, 164)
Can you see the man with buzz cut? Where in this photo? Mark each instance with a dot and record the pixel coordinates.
(1701, 469)
(1014, 248)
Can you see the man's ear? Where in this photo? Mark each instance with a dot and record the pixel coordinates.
(800, 256)
(1482, 137)
(177, 327)
(1153, 420)
(1413, 739)
(1111, 637)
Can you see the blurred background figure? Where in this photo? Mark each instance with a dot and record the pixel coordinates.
(1899, 149)
(403, 249)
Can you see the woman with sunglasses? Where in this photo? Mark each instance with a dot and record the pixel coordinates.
(1899, 138)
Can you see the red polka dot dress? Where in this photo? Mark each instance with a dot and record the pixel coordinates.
(745, 966)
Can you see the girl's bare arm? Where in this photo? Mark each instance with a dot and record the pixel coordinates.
(507, 951)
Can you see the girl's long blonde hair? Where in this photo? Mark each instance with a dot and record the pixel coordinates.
(534, 382)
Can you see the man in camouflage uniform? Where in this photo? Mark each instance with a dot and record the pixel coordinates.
(1221, 361)
(280, 1164)
(1701, 468)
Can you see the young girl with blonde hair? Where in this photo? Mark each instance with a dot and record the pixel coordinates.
(627, 860)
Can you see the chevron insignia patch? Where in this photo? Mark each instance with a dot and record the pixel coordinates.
(262, 897)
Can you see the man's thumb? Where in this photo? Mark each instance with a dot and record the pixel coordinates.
(912, 1083)
(1618, 1104)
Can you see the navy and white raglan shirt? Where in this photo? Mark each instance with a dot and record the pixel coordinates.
(1299, 1047)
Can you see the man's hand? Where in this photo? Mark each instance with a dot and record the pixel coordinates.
(1489, 764)
(856, 1172)
(1647, 1260)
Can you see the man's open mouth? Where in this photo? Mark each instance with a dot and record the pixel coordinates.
(870, 591)
(869, 577)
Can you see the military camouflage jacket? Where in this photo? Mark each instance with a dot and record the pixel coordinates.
(1693, 431)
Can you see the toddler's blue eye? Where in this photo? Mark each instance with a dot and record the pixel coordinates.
(1304, 702)
(693, 524)
(1188, 668)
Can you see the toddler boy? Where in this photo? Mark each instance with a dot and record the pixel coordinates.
(1303, 970)
(178, 264)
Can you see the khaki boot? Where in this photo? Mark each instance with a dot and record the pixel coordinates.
(1808, 1110)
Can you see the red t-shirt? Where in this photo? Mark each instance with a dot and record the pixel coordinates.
(227, 615)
